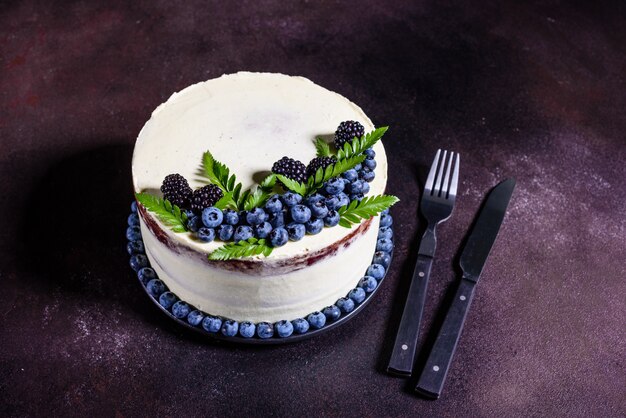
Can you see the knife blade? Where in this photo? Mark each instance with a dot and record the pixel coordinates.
(473, 258)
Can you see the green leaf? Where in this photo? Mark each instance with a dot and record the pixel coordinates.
(322, 147)
(365, 209)
(258, 198)
(170, 215)
(292, 185)
(241, 249)
(322, 175)
(219, 174)
(225, 201)
(359, 145)
(268, 182)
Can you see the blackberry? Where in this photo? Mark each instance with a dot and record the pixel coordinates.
(205, 197)
(176, 189)
(318, 162)
(290, 168)
(346, 131)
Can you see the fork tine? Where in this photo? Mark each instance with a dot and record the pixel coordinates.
(430, 181)
(446, 179)
(440, 174)
(455, 176)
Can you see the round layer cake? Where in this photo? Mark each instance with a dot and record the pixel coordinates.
(248, 121)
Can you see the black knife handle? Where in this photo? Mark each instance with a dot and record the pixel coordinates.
(403, 354)
(433, 376)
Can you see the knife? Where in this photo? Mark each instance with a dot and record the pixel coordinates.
(477, 248)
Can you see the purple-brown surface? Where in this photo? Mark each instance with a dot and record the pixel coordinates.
(534, 91)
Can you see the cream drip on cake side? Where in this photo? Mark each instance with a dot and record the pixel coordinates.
(248, 121)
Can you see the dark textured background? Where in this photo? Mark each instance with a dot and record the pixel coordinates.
(534, 91)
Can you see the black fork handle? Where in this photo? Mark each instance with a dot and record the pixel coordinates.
(403, 354)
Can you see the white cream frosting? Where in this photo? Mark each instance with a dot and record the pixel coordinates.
(248, 121)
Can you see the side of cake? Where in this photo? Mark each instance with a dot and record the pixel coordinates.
(250, 244)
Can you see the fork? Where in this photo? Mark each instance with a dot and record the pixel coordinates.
(436, 206)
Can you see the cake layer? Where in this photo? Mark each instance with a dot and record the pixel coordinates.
(248, 121)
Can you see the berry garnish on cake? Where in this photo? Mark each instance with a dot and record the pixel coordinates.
(176, 189)
(346, 131)
(332, 190)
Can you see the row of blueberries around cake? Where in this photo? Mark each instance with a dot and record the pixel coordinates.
(286, 217)
(246, 329)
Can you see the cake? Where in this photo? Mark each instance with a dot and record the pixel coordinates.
(248, 122)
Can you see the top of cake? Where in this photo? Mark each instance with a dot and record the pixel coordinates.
(248, 121)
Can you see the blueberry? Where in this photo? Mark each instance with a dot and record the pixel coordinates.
(366, 188)
(350, 175)
(377, 271)
(367, 175)
(230, 328)
(133, 206)
(295, 231)
(283, 328)
(135, 247)
(309, 201)
(332, 202)
(206, 234)
(358, 167)
(243, 217)
(194, 223)
(386, 211)
(357, 294)
(262, 230)
(370, 164)
(385, 232)
(167, 299)
(368, 283)
(346, 305)
(300, 325)
(274, 204)
(155, 287)
(316, 319)
(264, 330)
(382, 258)
(133, 219)
(190, 213)
(225, 232)
(138, 261)
(319, 209)
(314, 226)
(212, 323)
(278, 237)
(146, 274)
(358, 196)
(386, 220)
(180, 309)
(212, 217)
(230, 217)
(277, 219)
(344, 200)
(332, 218)
(247, 329)
(256, 216)
(242, 233)
(370, 154)
(300, 213)
(195, 317)
(332, 313)
(356, 187)
(334, 186)
(133, 233)
(291, 199)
